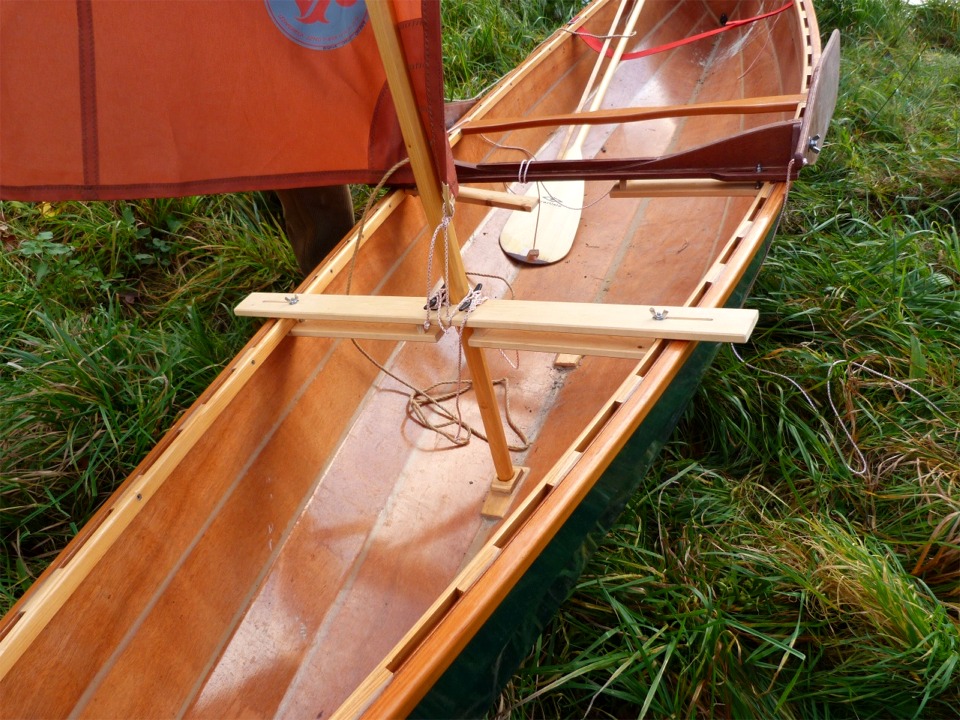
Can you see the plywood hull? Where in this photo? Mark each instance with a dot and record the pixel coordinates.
(298, 546)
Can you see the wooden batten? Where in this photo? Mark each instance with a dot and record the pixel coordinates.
(569, 347)
(366, 331)
(497, 199)
(682, 188)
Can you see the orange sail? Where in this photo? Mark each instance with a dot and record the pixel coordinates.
(110, 100)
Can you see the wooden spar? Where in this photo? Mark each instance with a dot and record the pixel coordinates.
(496, 198)
(519, 238)
(388, 41)
(611, 69)
(751, 106)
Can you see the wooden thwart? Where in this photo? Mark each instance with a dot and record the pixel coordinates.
(584, 328)
(749, 106)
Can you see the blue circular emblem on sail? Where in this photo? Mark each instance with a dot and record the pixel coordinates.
(319, 24)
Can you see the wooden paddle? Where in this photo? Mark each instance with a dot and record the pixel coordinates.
(546, 235)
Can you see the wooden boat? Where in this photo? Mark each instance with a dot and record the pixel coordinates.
(298, 544)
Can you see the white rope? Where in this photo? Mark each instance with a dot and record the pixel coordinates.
(421, 398)
(524, 168)
(437, 302)
(550, 199)
(864, 466)
(813, 405)
(515, 362)
(470, 302)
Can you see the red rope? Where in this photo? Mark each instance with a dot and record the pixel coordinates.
(597, 45)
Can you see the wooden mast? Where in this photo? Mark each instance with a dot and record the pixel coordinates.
(431, 195)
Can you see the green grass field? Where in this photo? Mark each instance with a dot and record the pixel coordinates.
(796, 552)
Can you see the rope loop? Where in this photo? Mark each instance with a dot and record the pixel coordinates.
(436, 302)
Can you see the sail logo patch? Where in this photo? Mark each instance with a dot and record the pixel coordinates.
(319, 24)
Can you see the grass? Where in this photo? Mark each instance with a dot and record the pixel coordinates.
(113, 318)
(796, 552)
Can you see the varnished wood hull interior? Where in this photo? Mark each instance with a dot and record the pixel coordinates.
(297, 544)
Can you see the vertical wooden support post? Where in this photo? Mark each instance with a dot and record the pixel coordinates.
(428, 183)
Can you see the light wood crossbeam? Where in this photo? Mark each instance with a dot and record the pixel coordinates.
(345, 308)
(682, 188)
(750, 106)
(635, 321)
(366, 331)
(515, 317)
(562, 343)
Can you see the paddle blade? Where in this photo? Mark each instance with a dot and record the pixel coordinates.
(546, 234)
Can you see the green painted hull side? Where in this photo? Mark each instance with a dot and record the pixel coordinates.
(472, 683)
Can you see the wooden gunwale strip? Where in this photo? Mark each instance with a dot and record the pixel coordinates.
(28, 617)
(750, 106)
(426, 663)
